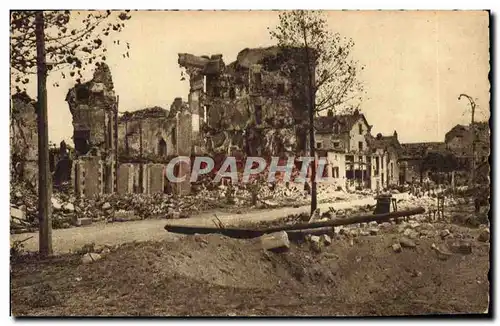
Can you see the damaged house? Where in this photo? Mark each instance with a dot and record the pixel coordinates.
(153, 136)
(250, 106)
(354, 157)
(460, 138)
(124, 153)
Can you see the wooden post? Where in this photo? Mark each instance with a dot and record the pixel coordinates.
(44, 180)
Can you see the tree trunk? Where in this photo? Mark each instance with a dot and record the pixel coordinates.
(314, 199)
(311, 105)
(44, 180)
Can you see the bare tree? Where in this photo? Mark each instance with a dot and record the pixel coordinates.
(331, 80)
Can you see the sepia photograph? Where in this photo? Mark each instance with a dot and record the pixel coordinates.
(250, 163)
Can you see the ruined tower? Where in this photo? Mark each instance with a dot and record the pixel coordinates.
(94, 108)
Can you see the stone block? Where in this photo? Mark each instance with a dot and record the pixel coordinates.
(484, 236)
(396, 247)
(156, 178)
(124, 216)
(17, 213)
(184, 187)
(90, 257)
(125, 178)
(326, 239)
(92, 177)
(82, 221)
(85, 221)
(407, 243)
(460, 247)
(275, 241)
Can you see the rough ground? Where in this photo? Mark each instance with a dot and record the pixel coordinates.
(65, 240)
(214, 275)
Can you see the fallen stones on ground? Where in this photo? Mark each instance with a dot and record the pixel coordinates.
(444, 233)
(315, 216)
(315, 243)
(56, 204)
(460, 247)
(484, 236)
(410, 233)
(68, 207)
(441, 254)
(82, 221)
(396, 247)
(125, 216)
(90, 257)
(326, 239)
(17, 213)
(275, 241)
(407, 243)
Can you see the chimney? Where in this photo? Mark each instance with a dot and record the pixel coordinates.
(177, 103)
(330, 113)
(356, 112)
(379, 136)
(395, 134)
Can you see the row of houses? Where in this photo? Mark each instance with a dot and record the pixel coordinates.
(358, 159)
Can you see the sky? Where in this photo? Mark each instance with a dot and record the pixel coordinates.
(416, 63)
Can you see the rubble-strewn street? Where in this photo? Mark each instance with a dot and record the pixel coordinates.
(250, 163)
(68, 211)
(397, 268)
(197, 275)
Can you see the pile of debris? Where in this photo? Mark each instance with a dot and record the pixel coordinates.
(23, 207)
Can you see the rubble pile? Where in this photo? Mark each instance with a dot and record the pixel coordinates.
(24, 211)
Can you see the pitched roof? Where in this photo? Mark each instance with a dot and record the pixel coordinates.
(418, 150)
(325, 124)
(384, 142)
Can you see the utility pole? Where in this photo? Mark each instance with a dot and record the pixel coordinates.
(44, 180)
(473, 129)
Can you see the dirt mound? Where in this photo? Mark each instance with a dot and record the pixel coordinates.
(216, 275)
(220, 260)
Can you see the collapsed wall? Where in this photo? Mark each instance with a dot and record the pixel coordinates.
(93, 106)
(24, 138)
(253, 106)
(94, 109)
(153, 134)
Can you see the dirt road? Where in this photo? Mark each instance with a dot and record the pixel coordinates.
(64, 240)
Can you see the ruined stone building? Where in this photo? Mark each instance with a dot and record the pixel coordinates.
(126, 153)
(459, 140)
(94, 108)
(154, 135)
(24, 138)
(250, 106)
(24, 145)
